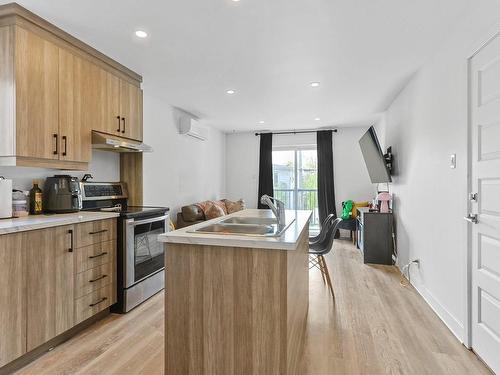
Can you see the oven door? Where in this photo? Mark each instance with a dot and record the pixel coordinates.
(144, 254)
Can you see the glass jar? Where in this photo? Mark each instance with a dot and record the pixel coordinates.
(20, 207)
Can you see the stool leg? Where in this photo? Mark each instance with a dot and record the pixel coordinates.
(327, 275)
(321, 268)
(315, 262)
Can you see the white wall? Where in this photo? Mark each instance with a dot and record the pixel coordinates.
(351, 176)
(104, 166)
(181, 170)
(242, 165)
(425, 125)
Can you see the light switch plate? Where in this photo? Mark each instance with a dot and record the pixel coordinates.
(453, 161)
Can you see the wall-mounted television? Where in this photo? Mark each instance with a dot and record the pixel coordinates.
(377, 163)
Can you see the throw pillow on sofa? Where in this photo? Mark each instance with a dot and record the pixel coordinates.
(214, 211)
(234, 206)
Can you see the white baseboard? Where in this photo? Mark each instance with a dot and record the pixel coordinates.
(453, 324)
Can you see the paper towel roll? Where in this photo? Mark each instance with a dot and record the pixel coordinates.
(5, 198)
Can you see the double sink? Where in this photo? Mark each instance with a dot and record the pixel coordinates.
(245, 226)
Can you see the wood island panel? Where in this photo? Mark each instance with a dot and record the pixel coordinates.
(233, 310)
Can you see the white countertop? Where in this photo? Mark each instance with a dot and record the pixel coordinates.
(287, 241)
(34, 222)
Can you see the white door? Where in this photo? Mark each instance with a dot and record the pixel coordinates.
(485, 123)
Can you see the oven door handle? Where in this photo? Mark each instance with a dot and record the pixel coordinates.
(147, 221)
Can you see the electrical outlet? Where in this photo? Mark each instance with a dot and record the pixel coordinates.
(453, 161)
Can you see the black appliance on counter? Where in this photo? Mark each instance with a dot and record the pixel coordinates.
(141, 267)
(62, 194)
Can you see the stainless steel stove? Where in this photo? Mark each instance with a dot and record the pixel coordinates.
(141, 267)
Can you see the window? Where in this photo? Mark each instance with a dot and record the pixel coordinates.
(295, 179)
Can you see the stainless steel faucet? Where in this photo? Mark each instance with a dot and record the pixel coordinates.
(278, 208)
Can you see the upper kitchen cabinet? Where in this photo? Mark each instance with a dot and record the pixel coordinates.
(109, 98)
(131, 110)
(120, 107)
(36, 65)
(77, 106)
(55, 90)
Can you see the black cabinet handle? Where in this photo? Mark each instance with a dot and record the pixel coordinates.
(65, 140)
(97, 279)
(98, 255)
(98, 231)
(123, 119)
(71, 236)
(56, 151)
(119, 129)
(98, 302)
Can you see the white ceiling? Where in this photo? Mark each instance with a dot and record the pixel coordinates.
(362, 52)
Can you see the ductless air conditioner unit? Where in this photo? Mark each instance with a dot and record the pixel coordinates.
(191, 127)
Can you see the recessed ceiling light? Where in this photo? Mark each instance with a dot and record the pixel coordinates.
(262, 122)
(230, 92)
(314, 84)
(141, 34)
(317, 119)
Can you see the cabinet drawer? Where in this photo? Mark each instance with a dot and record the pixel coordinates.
(95, 232)
(91, 304)
(93, 279)
(93, 256)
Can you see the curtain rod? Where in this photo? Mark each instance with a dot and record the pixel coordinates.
(296, 132)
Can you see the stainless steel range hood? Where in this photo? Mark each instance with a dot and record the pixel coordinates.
(106, 142)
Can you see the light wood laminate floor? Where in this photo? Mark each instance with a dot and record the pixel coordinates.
(375, 326)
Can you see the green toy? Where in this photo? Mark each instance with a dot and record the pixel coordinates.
(347, 209)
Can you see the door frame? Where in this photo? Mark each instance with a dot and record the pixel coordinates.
(481, 43)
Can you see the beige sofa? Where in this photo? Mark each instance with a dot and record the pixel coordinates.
(198, 212)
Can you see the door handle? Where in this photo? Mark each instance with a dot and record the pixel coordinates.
(471, 218)
(123, 119)
(98, 302)
(98, 255)
(65, 140)
(119, 128)
(98, 232)
(70, 232)
(98, 278)
(56, 151)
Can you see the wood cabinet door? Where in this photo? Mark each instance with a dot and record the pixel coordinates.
(109, 120)
(37, 96)
(12, 297)
(77, 105)
(50, 284)
(131, 110)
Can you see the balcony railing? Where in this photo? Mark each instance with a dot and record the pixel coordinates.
(306, 199)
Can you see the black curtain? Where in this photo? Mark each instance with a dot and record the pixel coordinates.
(266, 167)
(326, 191)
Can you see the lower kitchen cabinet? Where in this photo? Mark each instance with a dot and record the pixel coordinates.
(50, 285)
(94, 302)
(12, 297)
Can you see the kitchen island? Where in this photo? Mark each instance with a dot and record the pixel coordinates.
(235, 303)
